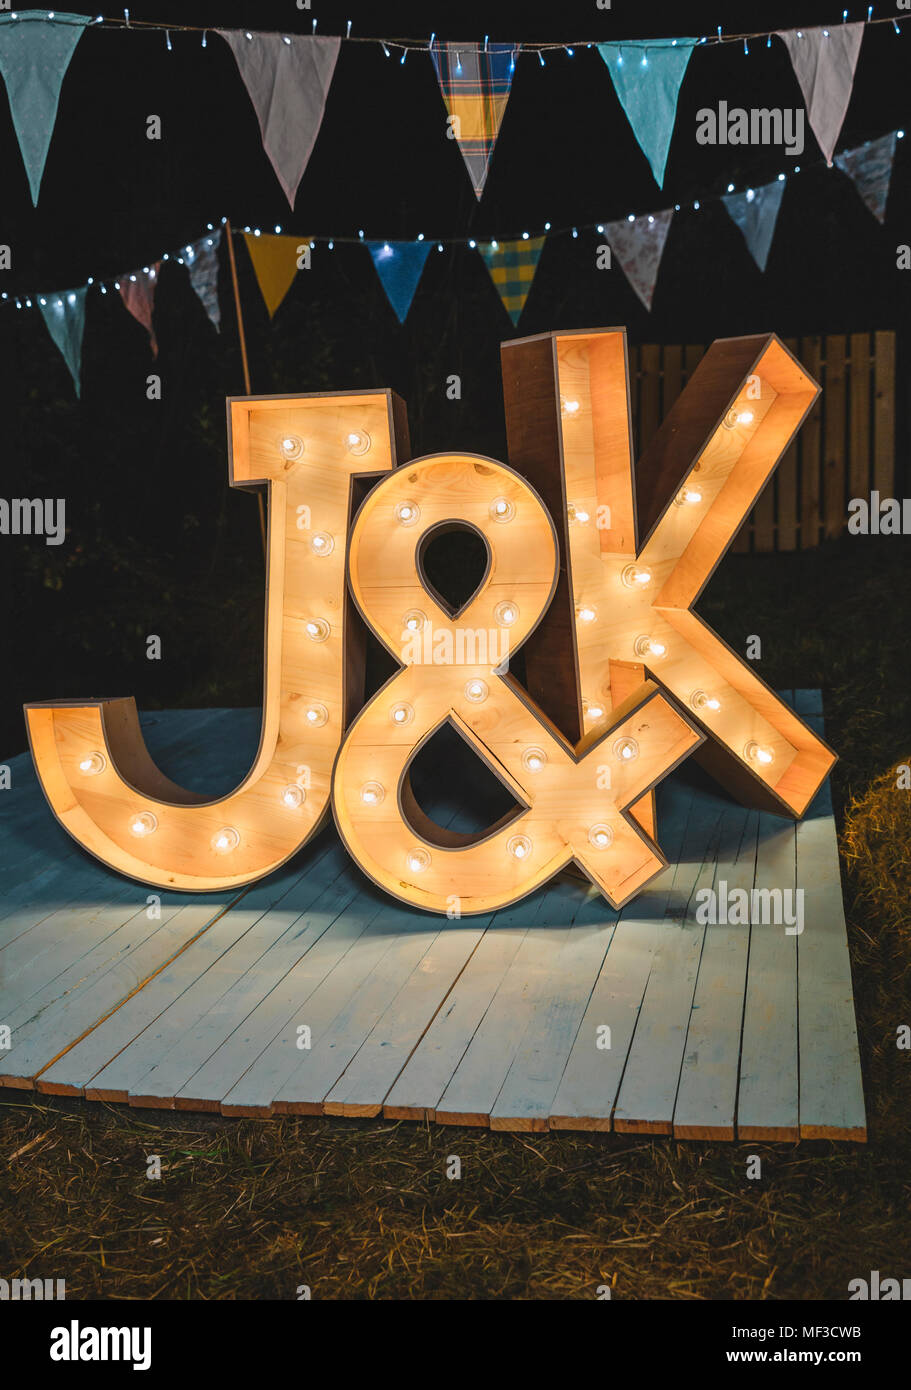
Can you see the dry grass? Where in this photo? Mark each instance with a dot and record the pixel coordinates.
(363, 1209)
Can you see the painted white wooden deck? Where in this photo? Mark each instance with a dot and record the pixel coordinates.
(715, 1031)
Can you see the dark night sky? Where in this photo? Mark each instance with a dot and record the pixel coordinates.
(156, 542)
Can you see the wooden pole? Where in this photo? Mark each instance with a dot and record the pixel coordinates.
(243, 354)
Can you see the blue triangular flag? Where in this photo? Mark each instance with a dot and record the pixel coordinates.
(64, 313)
(869, 167)
(755, 212)
(399, 265)
(647, 75)
(35, 53)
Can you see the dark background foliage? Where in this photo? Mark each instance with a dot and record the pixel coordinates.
(157, 542)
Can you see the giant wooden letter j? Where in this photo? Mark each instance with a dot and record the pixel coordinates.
(599, 576)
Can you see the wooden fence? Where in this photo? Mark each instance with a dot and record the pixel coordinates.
(845, 449)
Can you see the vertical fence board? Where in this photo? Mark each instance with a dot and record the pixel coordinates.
(835, 418)
(859, 424)
(884, 415)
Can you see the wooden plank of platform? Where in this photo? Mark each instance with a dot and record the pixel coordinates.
(831, 1088)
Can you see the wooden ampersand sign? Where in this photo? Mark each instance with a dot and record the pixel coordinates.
(606, 611)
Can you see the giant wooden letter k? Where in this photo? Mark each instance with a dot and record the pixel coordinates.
(629, 583)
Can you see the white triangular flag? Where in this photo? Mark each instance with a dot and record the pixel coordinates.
(638, 245)
(869, 167)
(824, 61)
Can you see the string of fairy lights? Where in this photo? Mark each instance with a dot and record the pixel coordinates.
(401, 47)
(104, 285)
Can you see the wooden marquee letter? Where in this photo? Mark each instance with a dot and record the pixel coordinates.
(571, 803)
(624, 604)
(90, 755)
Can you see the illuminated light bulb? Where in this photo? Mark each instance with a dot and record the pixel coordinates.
(600, 837)
(317, 629)
(501, 509)
(756, 753)
(506, 613)
(401, 714)
(650, 646)
(688, 496)
(407, 513)
(626, 749)
(372, 793)
(292, 446)
(570, 407)
(592, 710)
(143, 824)
(321, 543)
(699, 700)
(519, 846)
(745, 417)
(414, 620)
(92, 764)
(635, 577)
(226, 839)
(294, 796)
(737, 417)
(418, 860)
(578, 514)
(476, 691)
(586, 613)
(316, 716)
(357, 442)
(534, 759)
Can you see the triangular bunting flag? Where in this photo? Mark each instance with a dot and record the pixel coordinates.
(275, 262)
(288, 82)
(647, 75)
(137, 291)
(35, 53)
(512, 266)
(201, 260)
(755, 212)
(64, 314)
(639, 246)
(399, 265)
(824, 61)
(869, 167)
(475, 83)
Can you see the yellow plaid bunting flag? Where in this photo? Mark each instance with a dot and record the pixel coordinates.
(512, 266)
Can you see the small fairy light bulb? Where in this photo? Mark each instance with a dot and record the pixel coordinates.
(372, 793)
(626, 749)
(577, 514)
(501, 509)
(407, 513)
(226, 839)
(756, 753)
(600, 837)
(570, 407)
(636, 577)
(321, 543)
(292, 446)
(476, 691)
(293, 796)
(688, 496)
(506, 613)
(317, 629)
(650, 646)
(401, 714)
(357, 442)
(92, 764)
(586, 613)
(418, 860)
(145, 823)
(699, 700)
(519, 846)
(316, 716)
(534, 759)
(414, 620)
